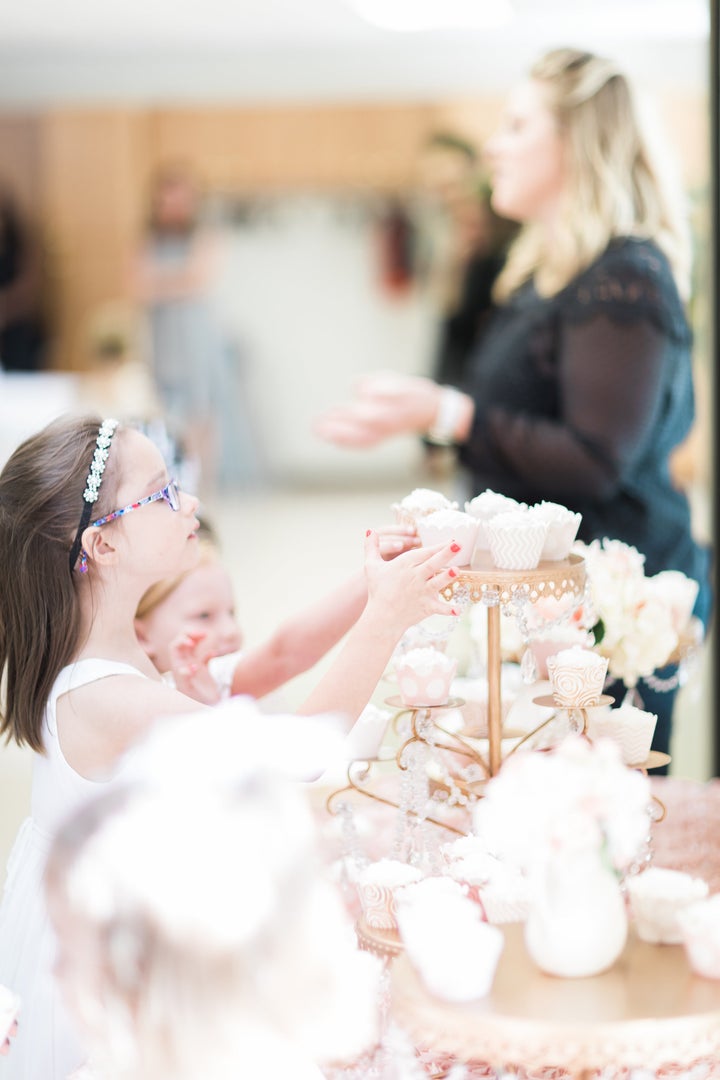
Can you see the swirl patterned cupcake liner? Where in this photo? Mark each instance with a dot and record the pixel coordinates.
(577, 683)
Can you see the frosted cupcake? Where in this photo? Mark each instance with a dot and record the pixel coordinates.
(418, 504)
(443, 526)
(515, 540)
(485, 506)
(366, 735)
(376, 886)
(455, 953)
(501, 890)
(577, 676)
(657, 897)
(474, 711)
(552, 641)
(562, 526)
(424, 677)
(632, 729)
(700, 931)
(433, 633)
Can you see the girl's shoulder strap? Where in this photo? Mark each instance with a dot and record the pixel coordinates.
(80, 673)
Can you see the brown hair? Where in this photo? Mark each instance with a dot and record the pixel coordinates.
(41, 502)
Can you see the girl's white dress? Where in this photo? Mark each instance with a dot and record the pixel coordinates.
(45, 1047)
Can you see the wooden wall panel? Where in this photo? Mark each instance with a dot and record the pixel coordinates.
(93, 162)
(87, 171)
(370, 146)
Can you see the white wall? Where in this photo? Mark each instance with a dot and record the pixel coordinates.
(302, 295)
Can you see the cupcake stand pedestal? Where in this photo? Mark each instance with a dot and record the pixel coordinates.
(508, 591)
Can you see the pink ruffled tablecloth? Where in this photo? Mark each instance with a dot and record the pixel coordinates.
(688, 838)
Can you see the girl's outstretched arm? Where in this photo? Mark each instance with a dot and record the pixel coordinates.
(305, 638)
(400, 593)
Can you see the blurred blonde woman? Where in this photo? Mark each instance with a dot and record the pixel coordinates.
(581, 386)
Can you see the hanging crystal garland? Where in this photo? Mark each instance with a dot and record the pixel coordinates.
(410, 843)
(521, 608)
(351, 847)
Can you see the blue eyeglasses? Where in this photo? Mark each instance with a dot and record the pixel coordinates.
(170, 493)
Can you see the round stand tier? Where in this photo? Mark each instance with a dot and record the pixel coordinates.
(548, 701)
(486, 582)
(387, 944)
(397, 703)
(647, 1011)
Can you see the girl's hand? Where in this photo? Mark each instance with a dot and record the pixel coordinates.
(189, 658)
(394, 539)
(408, 588)
(385, 405)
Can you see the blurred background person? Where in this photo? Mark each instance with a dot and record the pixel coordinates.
(468, 245)
(473, 252)
(192, 356)
(581, 388)
(23, 316)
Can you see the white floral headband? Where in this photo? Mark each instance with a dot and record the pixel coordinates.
(92, 488)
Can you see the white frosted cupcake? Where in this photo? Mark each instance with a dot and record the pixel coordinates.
(366, 735)
(577, 676)
(424, 677)
(501, 890)
(487, 505)
(433, 632)
(515, 540)
(562, 526)
(419, 503)
(700, 931)
(632, 729)
(376, 886)
(550, 642)
(474, 693)
(453, 950)
(657, 896)
(442, 526)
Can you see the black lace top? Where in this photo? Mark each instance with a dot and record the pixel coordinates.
(581, 397)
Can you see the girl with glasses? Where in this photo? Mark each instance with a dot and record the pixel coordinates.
(89, 520)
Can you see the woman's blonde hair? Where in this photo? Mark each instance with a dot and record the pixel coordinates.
(617, 184)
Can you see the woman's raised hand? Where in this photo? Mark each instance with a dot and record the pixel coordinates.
(386, 404)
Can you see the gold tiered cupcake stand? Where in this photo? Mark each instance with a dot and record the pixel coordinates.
(495, 588)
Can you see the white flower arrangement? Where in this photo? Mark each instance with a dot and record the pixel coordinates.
(575, 799)
(636, 620)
